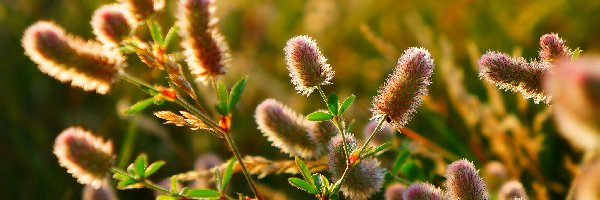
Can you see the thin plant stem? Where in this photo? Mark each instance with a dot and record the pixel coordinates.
(128, 143)
(379, 124)
(339, 126)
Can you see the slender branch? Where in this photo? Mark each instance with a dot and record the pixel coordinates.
(339, 126)
(375, 131)
(237, 155)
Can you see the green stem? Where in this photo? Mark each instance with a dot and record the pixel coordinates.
(127, 146)
(375, 131)
(339, 126)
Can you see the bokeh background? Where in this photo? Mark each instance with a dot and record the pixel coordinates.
(361, 39)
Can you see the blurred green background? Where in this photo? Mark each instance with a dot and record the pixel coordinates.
(361, 39)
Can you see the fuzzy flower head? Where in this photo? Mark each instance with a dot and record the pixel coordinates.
(323, 131)
(575, 87)
(142, 9)
(463, 182)
(111, 24)
(307, 65)
(105, 192)
(206, 51)
(395, 192)
(87, 157)
(70, 59)
(424, 191)
(286, 129)
(515, 74)
(494, 173)
(401, 94)
(363, 180)
(512, 190)
(553, 48)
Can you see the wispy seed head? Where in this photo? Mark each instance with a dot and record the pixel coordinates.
(363, 180)
(575, 87)
(111, 24)
(105, 192)
(286, 129)
(307, 66)
(68, 58)
(515, 74)
(512, 190)
(424, 191)
(206, 51)
(395, 192)
(143, 9)
(553, 48)
(463, 182)
(86, 157)
(323, 131)
(401, 94)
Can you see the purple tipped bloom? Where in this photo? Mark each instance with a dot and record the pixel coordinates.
(515, 74)
(553, 48)
(463, 182)
(363, 180)
(111, 24)
(401, 94)
(395, 192)
(286, 129)
(307, 66)
(512, 190)
(424, 191)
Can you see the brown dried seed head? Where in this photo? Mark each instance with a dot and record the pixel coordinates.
(86, 157)
(176, 75)
(68, 58)
(286, 129)
(515, 74)
(401, 94)
(206, 51)
(111, 24)
(172, 118)
(307, 66)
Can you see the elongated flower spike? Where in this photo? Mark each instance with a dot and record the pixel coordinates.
(363, 180)
(111, 24)
(206, 51)
(68, 58)
(463, 182)
(575, 87)
(142, 9)
(402, 92)
(515, 74)
(424, 191)
(86, 157)
(395, 192)
(553, 48)
(286, 129)
(307, 66)
(323, 131)
(512, 190)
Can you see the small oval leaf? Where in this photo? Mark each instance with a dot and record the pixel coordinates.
(195, 193)
(319, 116)
(333, 103)
(347, 103)
(303, 185)
(153, 168)
(139, 106)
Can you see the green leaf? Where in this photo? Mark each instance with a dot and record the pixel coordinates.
(120, 176)
(410, 170)
(153, 168)
(170, 35)
(304, 171)
(155, 32)
(236, 94)
(218, 179)
(319, 116)
(398, 163)
(334, 196)
(333, 103)
(165, 197)
(125, 184)
(347, 103)
(140, 165)
(228, 173)
(303, 185)
(320, 184)
(139, 106)
(199, 193)
(378, 149)
(324, 183)
(350, 127)
(174, 184)
(222, 96)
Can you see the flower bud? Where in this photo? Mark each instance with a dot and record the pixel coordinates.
(363, 180)
(401, 94)
(575, 87)
(512, 190)
(424, 191)
(463, 182)
(105, 192)
(112, 24)
(515, 74)
(395, 192)
(286, 129)
(205, 48)
(86, 157)
(70, 59)
(307, 66)
(142, 9)
(553, 48)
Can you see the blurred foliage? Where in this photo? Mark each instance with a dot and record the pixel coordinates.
(361, 39)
